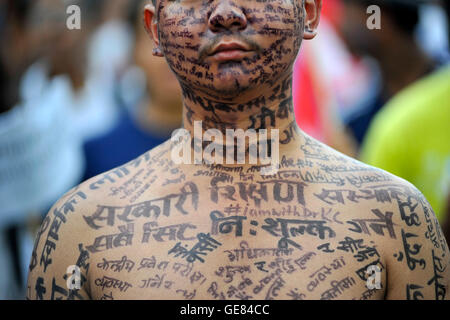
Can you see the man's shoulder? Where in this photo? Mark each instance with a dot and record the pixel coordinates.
(344, 181)
(116, 187)
(66, 236)
(152, 159)
(393, 215)
(347, 171)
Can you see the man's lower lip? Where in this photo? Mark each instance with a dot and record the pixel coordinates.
(230, 55)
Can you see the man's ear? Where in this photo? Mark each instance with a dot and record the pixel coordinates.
(312, 17)
(151, 25)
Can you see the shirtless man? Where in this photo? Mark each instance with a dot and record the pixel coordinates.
(324, 226)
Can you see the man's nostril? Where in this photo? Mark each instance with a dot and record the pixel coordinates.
(223, 19)
(217, 20)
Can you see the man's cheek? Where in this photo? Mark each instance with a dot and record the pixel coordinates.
(183, 30)
(183, 61)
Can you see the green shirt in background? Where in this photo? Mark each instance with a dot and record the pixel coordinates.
(410, 137)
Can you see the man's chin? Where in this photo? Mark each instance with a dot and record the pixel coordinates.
(225, 88)
(231, 81)
(230, 87)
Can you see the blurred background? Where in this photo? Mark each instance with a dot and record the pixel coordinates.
(75, 103)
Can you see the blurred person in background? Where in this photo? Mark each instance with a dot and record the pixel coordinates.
(321, 77)
(399, 60)
(108, 52)
(410, 136)
(446, 224)
(149, 103)
(40, 155)
(13, 62)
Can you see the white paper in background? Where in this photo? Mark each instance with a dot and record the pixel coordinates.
(40, 154)
(432, 31)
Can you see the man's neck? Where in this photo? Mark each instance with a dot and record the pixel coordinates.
(265, 109)
(159, 118)
(269, 109)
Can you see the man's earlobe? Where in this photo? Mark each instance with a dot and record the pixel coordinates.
(309, 33)
(157, 52)
(312, 17)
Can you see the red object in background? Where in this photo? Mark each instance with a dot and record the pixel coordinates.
(331, 10)
(306, 108)
(306, 103)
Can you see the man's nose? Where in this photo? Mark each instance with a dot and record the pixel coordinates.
(226, 16)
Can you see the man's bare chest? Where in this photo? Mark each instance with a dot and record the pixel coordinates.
(233, 254)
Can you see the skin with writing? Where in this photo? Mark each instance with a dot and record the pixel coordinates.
(153, 229)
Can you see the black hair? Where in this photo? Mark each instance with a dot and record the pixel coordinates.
(9, 89)
(19, 9)
(3, 90)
